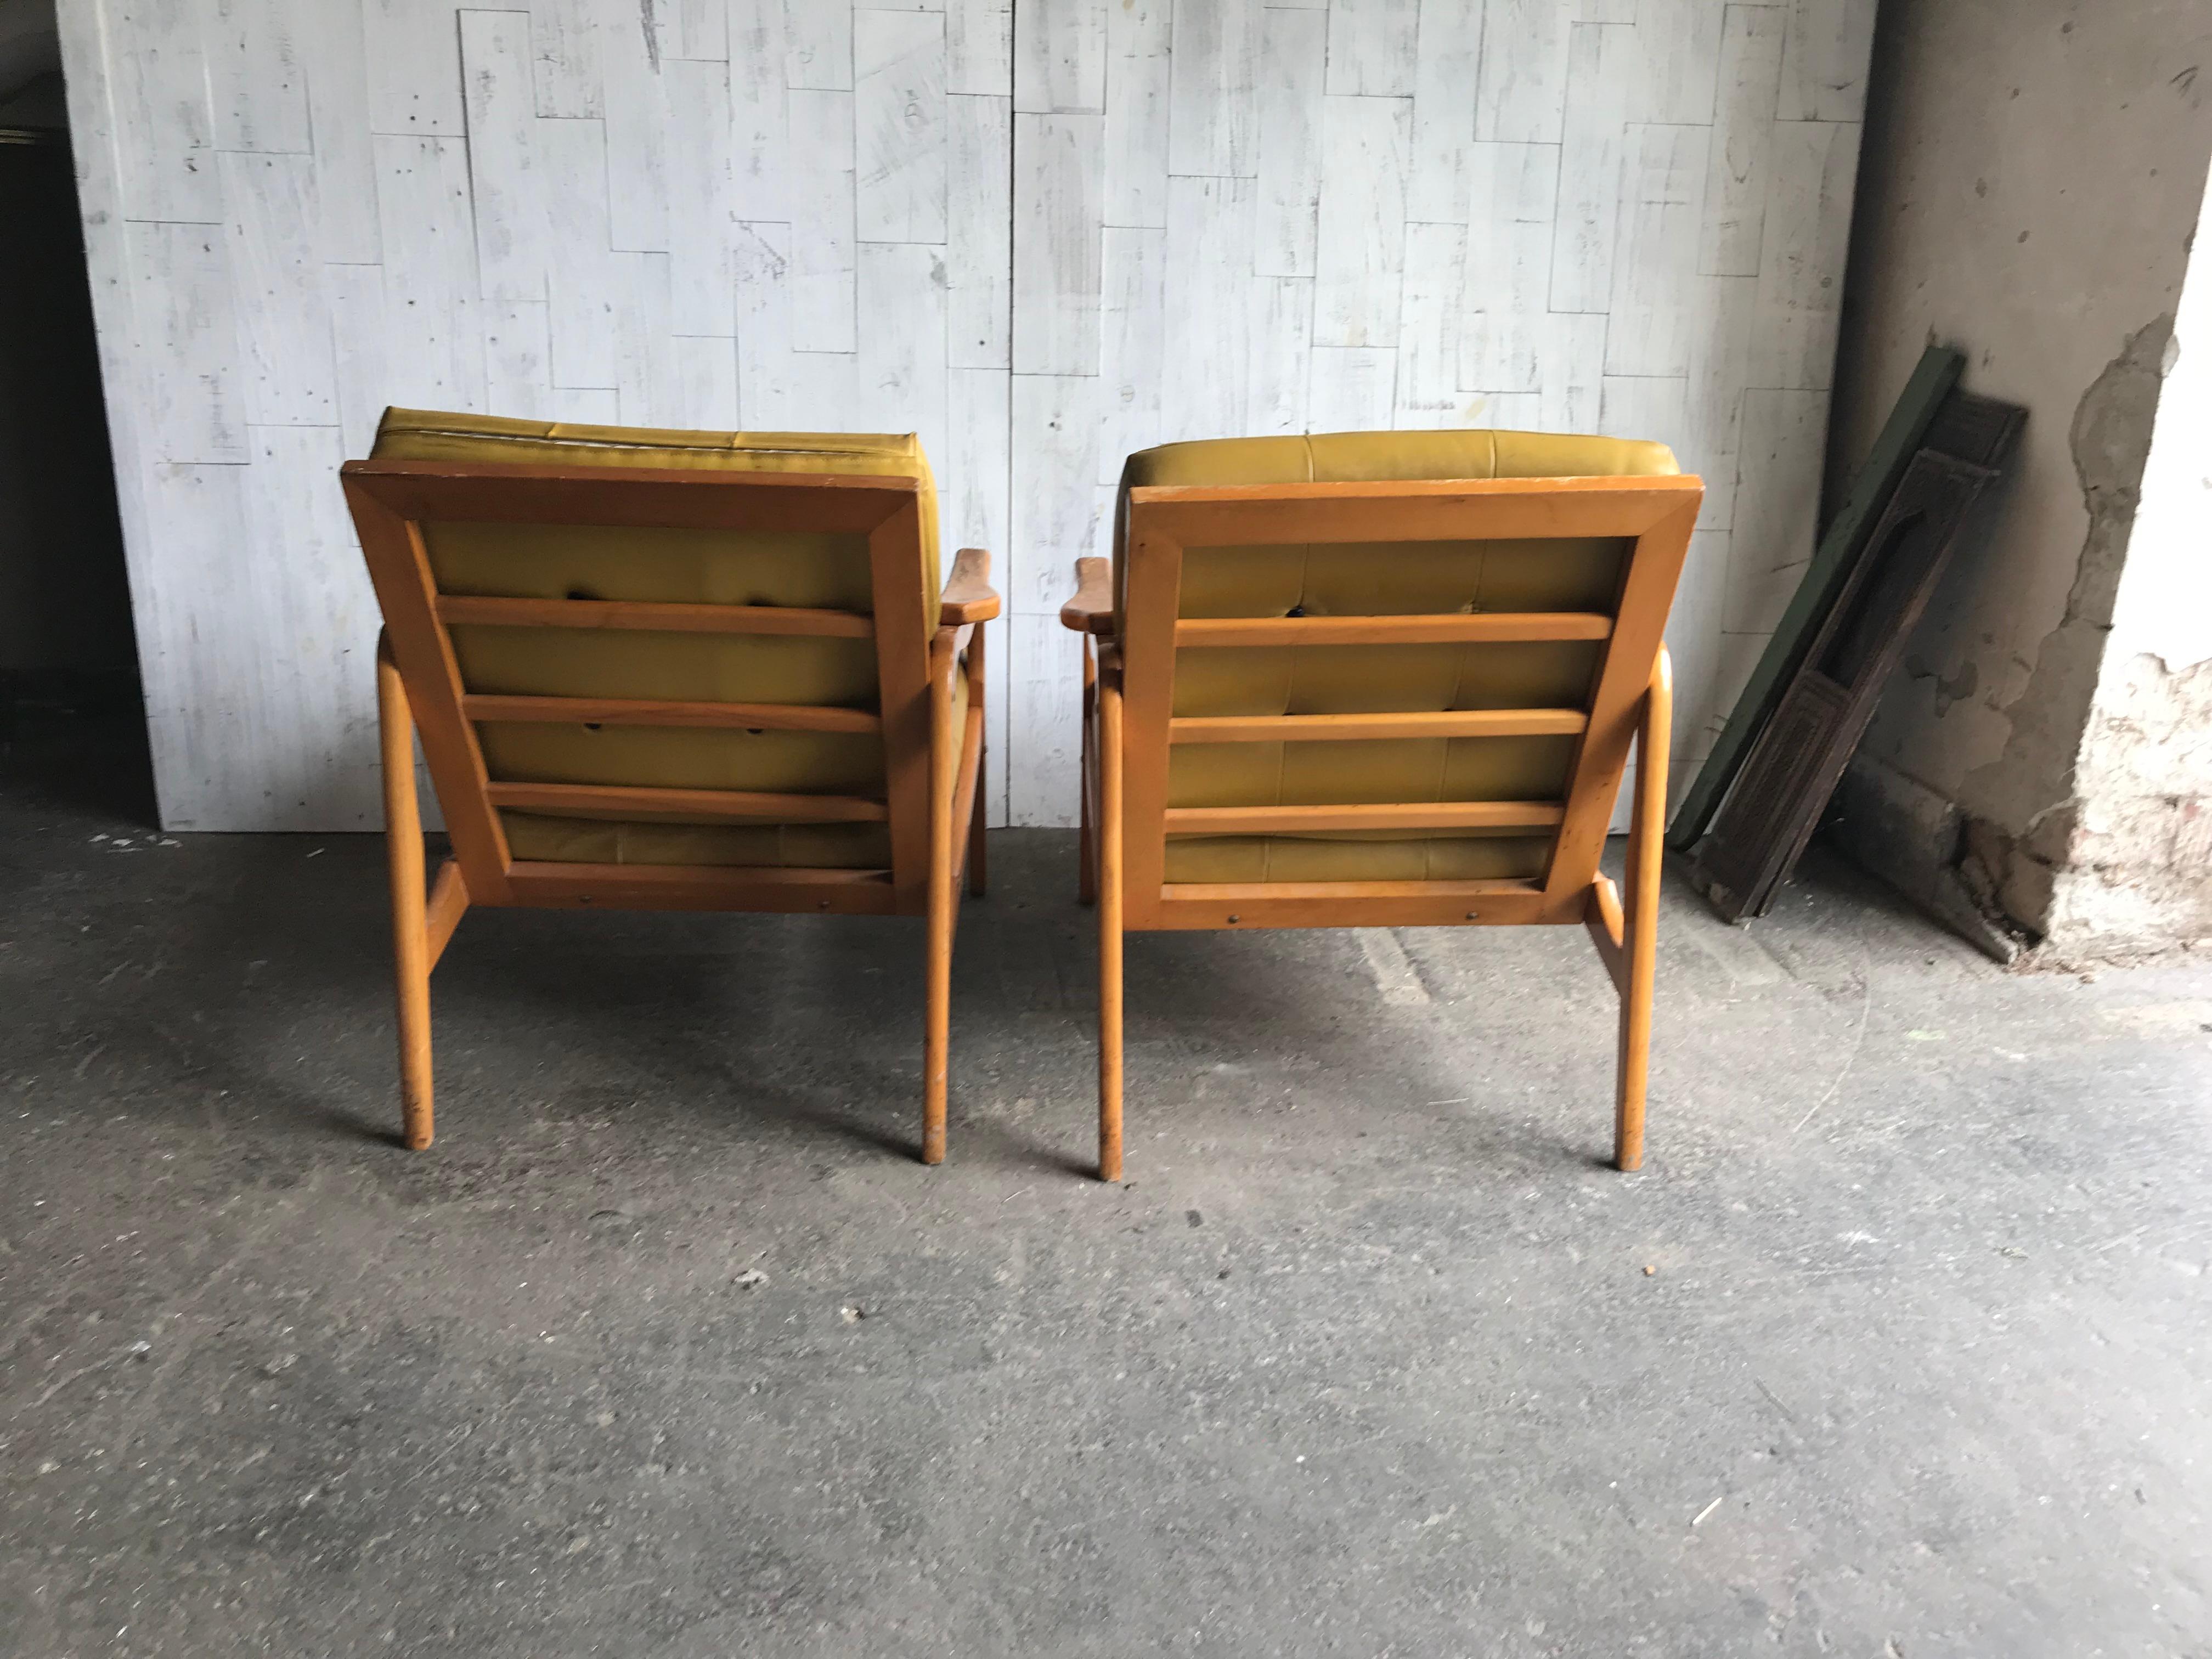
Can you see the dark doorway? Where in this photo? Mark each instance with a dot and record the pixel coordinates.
(72, 723)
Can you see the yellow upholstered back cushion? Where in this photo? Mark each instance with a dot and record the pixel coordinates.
(826, 571)
(1383, 579)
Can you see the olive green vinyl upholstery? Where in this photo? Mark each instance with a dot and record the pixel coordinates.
(671, 566)
(1380, 579)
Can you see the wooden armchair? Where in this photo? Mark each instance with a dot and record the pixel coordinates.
(1381, 680)
(671, 670)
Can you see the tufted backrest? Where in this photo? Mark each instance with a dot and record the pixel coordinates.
(561, 576)
(1437, 632)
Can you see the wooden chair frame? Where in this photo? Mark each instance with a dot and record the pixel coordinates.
(1128, 724)
(933, 772)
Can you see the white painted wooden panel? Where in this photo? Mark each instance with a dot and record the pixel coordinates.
(1365, 145)
(1824, 61)
(506, 187)
(1210, 247)
(1507, 323)
(1654, 273)
(903, 125)
(164, 149)
(1446, 68)
(818, 45)
(1206, 219)
(1521, 93)
(901, 367)
(1278, 318)
(696, 31)
(633, 97)
(433, 333)
(763, 134)
(1806, 240)
(1600, 59)
(1133, 352)
(331, 55)
(979, 46)
(412, 51)
(1427, 380)
(822, 315)
(702, 202)
(276, 274)
(195, 405)
(1293, 62)
(1137, 113)
(1213, 123)
(1743, 139)
(565, 47)
(1351, 389)
(257, 82)
(580, 279)
(1370, 47)
(1060, 56)
(1678, 62)
(1785, 436)
(1059, 191)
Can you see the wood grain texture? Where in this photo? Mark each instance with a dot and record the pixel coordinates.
(1042, 233)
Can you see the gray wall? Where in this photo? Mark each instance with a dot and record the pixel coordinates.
(2031, 176)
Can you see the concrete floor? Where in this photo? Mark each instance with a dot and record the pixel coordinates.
(1898, 1347)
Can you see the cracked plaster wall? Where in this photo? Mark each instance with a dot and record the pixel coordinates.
(2139, 872)
(2031, 176)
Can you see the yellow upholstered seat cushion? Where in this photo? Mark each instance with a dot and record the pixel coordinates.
(814, 570)
(1382, 579)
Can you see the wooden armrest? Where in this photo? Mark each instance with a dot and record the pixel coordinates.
(1092, 609)
(967, 597)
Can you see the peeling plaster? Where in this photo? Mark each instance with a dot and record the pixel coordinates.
(2032, 783)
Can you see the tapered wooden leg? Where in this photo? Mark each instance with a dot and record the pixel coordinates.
(942, 896)
(1086, 877)
(1110, 932)
(978, 874)
(978, 878)
(1646, 832)
(410, 934)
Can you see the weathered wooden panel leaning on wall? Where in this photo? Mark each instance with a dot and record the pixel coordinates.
(1040, 233)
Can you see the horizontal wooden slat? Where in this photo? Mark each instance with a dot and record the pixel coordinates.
(1359, 904)
(733, 804)
(1217, 892)
(1328, 728)
(1396, 815)
(693, 887)
(637, 711)
(1454, 628)
(485, 612)
(628, 497)
(1410, 510)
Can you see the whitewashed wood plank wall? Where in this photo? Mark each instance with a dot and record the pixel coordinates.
(1040, 232)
